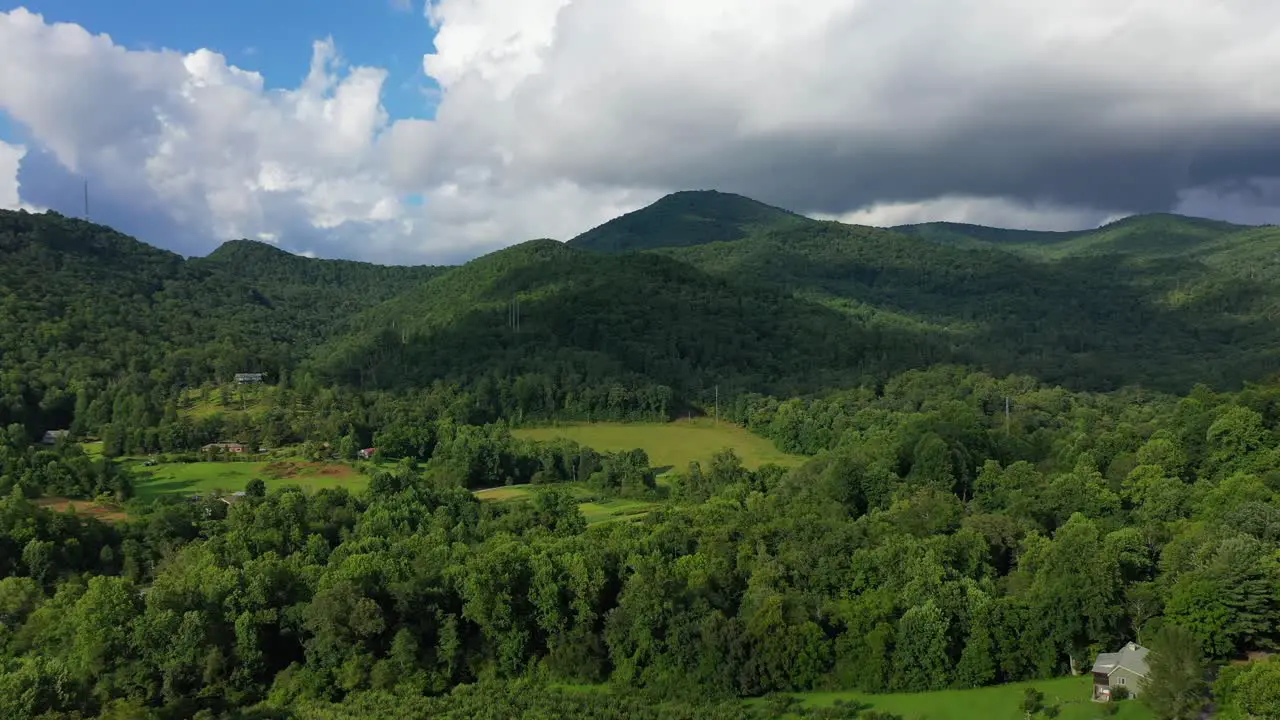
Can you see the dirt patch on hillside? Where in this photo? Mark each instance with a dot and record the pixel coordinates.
(336, 471)
(282, 470)
(105, 512)
(286, 469)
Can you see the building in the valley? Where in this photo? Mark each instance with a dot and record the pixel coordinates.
(51, 437)
(234, 497)
(1126, 668)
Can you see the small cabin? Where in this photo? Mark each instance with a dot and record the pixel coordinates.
(367, 453)
(51, 437)
(225, 447)
(1125, 668)
(249, 378)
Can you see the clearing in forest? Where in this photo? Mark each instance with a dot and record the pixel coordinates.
(106, 512)
(240, 399)
(670, 445)
(594, 508)
(231, 476)
(999, 702)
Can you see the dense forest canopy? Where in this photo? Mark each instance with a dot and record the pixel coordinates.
(1016, 452)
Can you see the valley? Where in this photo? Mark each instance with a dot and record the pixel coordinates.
(705, 457)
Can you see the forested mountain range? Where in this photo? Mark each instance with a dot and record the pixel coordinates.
(1156, 235)
(731, 293)
(1097, 321)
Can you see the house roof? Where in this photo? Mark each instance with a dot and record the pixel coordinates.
(1132, 657)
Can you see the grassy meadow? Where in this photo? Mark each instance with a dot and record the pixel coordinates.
(203, 402)
(202, 477)
(594, 509)
(670, 445)
(999, 702)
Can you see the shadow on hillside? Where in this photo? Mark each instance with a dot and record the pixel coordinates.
(617, 317)
(1086, 322)
(152, 489)
(1091, 322)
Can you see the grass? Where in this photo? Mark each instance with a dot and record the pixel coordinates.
(203, 477)
(601, 511)
(509, 492)
(1000, 702)
(669, 445)
(250, 399)
(596, 510)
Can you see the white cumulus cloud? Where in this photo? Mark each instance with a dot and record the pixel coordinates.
(10, 156)
(556, 115)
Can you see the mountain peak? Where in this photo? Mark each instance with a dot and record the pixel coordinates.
(685, 218)
(245, 248)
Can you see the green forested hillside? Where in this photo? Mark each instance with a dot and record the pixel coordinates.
(1096, 321)
(686, 218)
(607, 336)
(83, 308)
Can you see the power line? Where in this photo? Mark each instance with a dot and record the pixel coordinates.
(513, 314)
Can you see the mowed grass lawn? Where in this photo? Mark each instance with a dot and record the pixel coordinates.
(670, 445)
(1000, 702)
(202, 477)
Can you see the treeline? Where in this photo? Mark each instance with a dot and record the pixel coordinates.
(472, 456)
(31, 470)
(931, 544)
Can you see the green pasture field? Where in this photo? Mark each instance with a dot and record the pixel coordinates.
(999, 702)
(669, 445)
(202, 477)
(594, 510)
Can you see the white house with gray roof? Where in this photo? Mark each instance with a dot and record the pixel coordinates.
(1126, 668)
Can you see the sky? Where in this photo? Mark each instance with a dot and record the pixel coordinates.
(398, 131)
